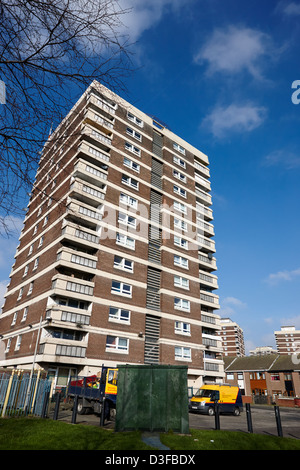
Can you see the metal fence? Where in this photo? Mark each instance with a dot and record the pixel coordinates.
(23, 393)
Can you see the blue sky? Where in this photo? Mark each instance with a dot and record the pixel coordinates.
(220, 74)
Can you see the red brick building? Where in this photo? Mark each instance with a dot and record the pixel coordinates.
(116, 257)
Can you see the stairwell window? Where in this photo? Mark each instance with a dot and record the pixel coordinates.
(126, 241)
(182, 304)
(180, 281)
(131, 164)
(135, 119)
(133, 149)
(128, 200)
(179, 176)
(178, 148)
(117, 344)
(123, 263)
(180, 261)
(182, 353)
(126, 220)
(119, 315)
(180, 191)
(130, 182)
(181, 242)
(121, 288)
(182, 328)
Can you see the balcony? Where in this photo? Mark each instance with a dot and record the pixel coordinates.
(90, 173)
(77, 260)
(206, 244)
(202, 168)
(62, 351)
(72, 287)
(92, 154)
(87, 192)
(208, 261)
(203, 182)
(96, 135)
(84, 213)
(203, 197)
(208, 279)
(80, 235)
(105, 126)
(204, 211)
(209, 299)
(102, 104)
(207, 228)
(68, 317)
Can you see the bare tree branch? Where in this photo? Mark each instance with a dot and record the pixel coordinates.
(50, 51)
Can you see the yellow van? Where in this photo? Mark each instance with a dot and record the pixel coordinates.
(228, 397)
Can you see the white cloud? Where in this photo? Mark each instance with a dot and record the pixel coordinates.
(236, 49)
(142, 16)
(284, 158)
(291, 9)
(234, 118)
(276, 278)
(229, 305)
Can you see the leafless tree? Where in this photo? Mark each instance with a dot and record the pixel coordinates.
(50, 51)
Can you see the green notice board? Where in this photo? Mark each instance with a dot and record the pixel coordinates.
(152, 398)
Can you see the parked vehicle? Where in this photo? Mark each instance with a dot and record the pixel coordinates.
(96, 392)
(228, 398)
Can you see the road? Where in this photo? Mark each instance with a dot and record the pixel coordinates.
(263, 421)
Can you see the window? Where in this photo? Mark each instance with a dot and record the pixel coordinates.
(178, 161)
(133, 149)
(128, 200)
(181, 242)
(30, 288)
(179, 176)
(123, 263)
(133, 133)
(180, 191)
(30, 249)
(126, 220)
(178, 148)
(126, 241)
(135, 119)
(36, 263)
(26, 270)
(180, 261)
(14, 320)
(41, 241)
(18, 343)
(181, 304)
(182, 328)
(119, 315)
(180, 207)
(180, 281)
(130, 182)
(45, 221)
(20, 293)
(131, 164)
(121, 288)
(182, 353)
(115, 343)
(8, 345)
(180, 224)
(25, 313)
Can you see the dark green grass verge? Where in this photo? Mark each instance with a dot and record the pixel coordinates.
(41, 434)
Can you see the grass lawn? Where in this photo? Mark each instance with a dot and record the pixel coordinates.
(39, 434)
